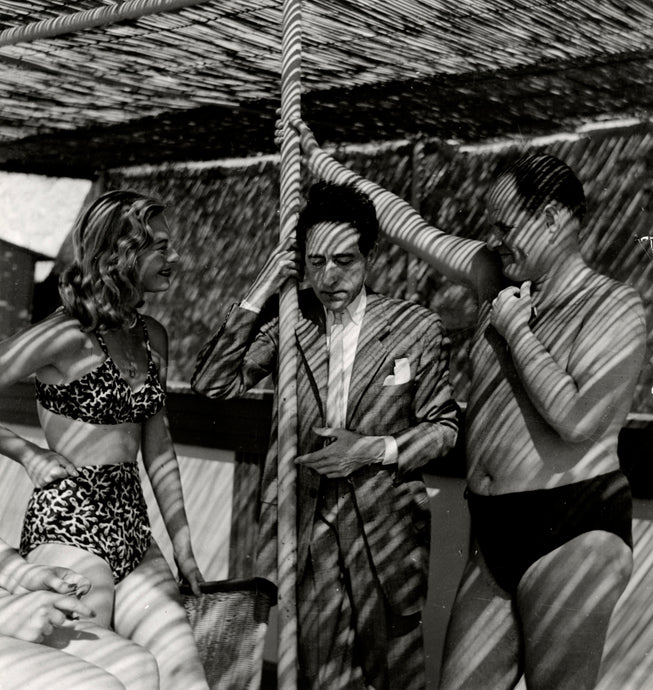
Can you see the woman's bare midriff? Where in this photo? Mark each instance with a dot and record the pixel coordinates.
(90, 444)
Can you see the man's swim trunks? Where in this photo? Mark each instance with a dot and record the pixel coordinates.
(516, 529)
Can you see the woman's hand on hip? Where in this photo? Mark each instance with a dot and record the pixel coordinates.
(44, 466)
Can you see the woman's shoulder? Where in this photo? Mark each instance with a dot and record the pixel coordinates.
(61, 317)
(54, 341)
(64, 331)
(57, 326)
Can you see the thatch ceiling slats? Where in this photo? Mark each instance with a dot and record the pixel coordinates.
(385, 69)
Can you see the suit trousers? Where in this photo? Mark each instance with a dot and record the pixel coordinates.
(349, 638)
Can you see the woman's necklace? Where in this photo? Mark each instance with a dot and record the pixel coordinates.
(131, 368)
(131, 358)
(124, 343)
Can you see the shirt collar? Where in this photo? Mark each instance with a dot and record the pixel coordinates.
(354, 312)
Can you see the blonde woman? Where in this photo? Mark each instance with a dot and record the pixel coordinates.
(100, 371)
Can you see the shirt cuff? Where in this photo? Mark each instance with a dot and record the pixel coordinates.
(250, 307)
(391, 455)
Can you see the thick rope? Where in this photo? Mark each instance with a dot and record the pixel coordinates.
(90, 19)
(290, 182)
(399, 221)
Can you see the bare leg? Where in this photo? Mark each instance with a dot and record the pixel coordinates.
(133, 665)
(32, 666)
(149, 611)
(565, 601)
(96, 569)
(93, 640)
(482, 644)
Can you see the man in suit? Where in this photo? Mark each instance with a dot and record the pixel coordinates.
(374, 405)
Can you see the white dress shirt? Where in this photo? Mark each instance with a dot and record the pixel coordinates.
(352, 320)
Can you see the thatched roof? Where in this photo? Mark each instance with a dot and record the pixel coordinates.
(202, 82)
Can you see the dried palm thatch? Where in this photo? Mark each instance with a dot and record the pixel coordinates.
(201, 81)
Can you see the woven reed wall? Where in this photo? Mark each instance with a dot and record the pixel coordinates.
(224, 222)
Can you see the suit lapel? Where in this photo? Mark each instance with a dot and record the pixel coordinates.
(370, 354)
(311, 394)
(310, 332)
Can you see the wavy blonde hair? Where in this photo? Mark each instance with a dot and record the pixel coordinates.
(102, 288)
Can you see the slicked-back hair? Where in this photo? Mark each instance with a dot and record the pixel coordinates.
(102, 288)
(541, 178)
(337, 203)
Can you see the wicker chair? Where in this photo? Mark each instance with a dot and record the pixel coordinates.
(229, 620)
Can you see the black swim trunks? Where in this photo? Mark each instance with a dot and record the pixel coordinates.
(102, 511)
(516, 529)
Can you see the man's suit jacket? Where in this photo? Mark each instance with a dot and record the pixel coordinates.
(399, 387)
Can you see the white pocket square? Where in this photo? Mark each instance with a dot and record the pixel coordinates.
(401, 373)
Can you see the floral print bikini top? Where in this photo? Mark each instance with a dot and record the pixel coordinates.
(103, 396)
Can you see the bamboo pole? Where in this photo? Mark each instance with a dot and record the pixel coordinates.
(290, 172)
(90, 19)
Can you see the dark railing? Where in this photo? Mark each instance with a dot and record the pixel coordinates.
(240, 425)
(243, 425)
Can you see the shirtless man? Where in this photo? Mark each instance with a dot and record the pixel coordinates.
(554, 361)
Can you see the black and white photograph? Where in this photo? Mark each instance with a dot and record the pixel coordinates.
(326, 345)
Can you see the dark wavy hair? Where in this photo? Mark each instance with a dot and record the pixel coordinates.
(337, 203)
(541, 178)
(101, 288)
